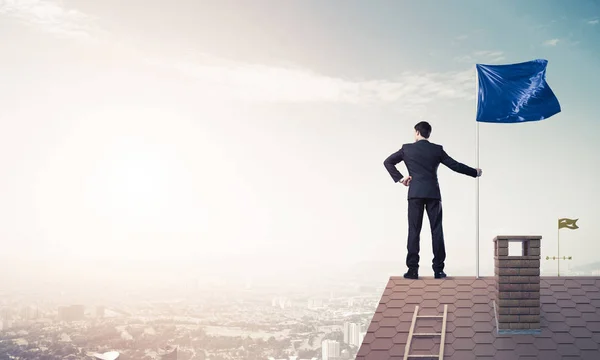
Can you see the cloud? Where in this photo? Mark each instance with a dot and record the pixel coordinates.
(551, 42)
(481, 56)
(216, 78)
(594, 22)
(50, 16)
(261, 83)
(462, 37)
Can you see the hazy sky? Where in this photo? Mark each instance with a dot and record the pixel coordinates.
(201, 130)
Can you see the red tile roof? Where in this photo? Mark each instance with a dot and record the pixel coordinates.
(570, 320)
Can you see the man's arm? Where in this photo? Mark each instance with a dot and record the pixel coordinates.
(390, 164)
(458, 167)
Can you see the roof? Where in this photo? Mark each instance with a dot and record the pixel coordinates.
(570, 320)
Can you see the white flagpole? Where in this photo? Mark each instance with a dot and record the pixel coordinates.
(477, 161)
(558, 249)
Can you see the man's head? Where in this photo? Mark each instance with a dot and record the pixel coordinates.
(422, 130)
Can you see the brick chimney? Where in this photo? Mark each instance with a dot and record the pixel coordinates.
(517, 300)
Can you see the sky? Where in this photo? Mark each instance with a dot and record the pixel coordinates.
(250, 136)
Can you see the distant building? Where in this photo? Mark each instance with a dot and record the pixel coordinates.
(315, 303)
(346, 332)
(353, 334)
(356, 335)
(29, 313)
(5, 314)
(100, 311)
(6, 318)
(71, 313)
(168, 353)
(281, 302)
(330, 350)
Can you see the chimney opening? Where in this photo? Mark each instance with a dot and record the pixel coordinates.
(516, 248)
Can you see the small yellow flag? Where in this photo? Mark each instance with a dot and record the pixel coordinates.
(568, 223)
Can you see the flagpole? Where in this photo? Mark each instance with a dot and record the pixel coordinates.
(558, 247)
(477, 192)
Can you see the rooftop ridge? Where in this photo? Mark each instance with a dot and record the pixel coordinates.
(491, 277)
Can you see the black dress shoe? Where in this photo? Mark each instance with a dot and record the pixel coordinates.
(439, 274)
(411, 274)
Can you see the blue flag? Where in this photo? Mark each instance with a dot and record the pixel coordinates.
(515, 93)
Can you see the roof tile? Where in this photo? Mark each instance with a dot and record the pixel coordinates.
(464, 288)
(464, 355)
(482, 308)
(483, 338)
(550, 308)
(568, 349)
(505, 343)
(431, 295)
(483, 317)
(463, 344)
(425, 344)
(559, 327)
(594, 295)
(563, 338)
(448, 291)
(586, 344)
(397, 350)
(400, 338)
(463, 303)
(588, 355)
(448, 284)
(379, 355)
(576, 323)
(414, 299)
(464, 322)
(385, 332)
(484, 350)
(392, 312)
(526, 349)
(483, 327)
(545, 344)
(565, 303)
(593, 326)
(549, 355)
(464, 332)
(381, 344)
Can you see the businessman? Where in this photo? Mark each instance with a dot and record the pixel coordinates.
(422, 159)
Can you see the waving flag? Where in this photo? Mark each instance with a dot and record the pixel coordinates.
(515, 93)
(568, 223)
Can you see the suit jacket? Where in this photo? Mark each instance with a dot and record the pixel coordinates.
(422, 159)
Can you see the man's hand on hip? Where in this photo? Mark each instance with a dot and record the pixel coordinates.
(479, 172)
(406, 180)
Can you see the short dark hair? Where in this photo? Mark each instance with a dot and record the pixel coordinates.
(424, 129)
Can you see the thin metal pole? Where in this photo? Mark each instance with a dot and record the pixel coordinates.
(558, 250)
(477, 193)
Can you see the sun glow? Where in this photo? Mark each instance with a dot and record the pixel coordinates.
(126, 178)
(133, 182)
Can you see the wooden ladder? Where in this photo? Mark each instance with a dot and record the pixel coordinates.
(411, 333)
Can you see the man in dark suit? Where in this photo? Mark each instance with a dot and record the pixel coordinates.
(422, 159)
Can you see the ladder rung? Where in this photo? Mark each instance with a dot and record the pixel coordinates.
(425, 356)
(430, 316)
(427, 334)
